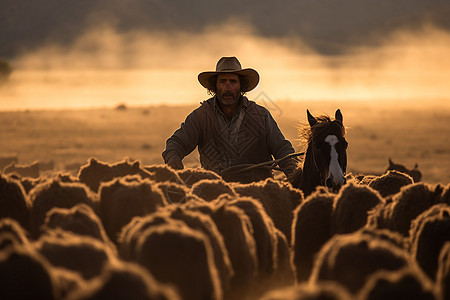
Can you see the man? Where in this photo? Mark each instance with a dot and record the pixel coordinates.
(228, 128)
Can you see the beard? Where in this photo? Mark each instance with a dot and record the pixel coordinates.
(229, 98)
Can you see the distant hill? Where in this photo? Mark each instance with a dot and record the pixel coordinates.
(329, 26)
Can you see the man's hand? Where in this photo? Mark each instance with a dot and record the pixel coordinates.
(175, 162)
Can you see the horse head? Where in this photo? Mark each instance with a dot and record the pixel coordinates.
(326, 157)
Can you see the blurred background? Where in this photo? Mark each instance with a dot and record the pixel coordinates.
(98, 53)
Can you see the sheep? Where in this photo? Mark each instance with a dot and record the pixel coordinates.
(284, 274)
(96, 172)
(55, 193)
(364, 179)
(14, 203)
(122, 281)
(211, 189)
(443, 273)
(67, 281)
(406, 283)
(431, 232)
(28, 183)
(390, 183)
(30, 170)
(401, 209)
(81, 254)
(396, 238)
(351, 207)
(11, 233)
(193, 175)
(311, 229)
(121, 200)
(25, 274)
(6, 160)
(130, 233)
(164, 173)
(179, 216)
(263, 232)
(415, 174)
(412, 201)
(80, 220)
(439, 209)
(173, 192)
(320, 291)
(279, 199)
(182, 257)
(204, 223)
(350, 259)
(445, 196)
(236, 229)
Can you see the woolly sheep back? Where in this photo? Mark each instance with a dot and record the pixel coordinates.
(430, 237)
(390, 183)
(55, 193)
(24, 274)
(192, 175)
(211, 189)
(121, 200)
(406, 283)
(279, 200)
(96, 172)
(411, 202)
(350, 259)
(351, 207)
(84, 255)
(14, 202)
(181, 257)
(311, 228)
(122, 281)
(320, 291)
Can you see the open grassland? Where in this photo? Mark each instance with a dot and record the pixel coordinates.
(406, 133)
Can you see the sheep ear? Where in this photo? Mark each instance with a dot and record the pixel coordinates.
(416, 166)
(390, 162)
(338, 116)
(311, 120)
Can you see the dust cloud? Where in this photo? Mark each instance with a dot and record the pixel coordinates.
(104, 67)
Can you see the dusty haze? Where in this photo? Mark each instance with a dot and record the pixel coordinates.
(104, 67)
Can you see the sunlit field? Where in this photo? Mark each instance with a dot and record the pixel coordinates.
(407, 133)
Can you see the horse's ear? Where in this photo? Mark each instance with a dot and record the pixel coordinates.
(338, 116)
(312, 121)
(390, 162)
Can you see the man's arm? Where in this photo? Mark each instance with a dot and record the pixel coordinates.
(182, 142)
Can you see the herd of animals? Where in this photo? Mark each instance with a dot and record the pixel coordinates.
(127, 231)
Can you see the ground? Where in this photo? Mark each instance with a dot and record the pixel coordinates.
(408, 133)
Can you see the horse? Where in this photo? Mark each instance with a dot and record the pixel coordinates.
(325, 161)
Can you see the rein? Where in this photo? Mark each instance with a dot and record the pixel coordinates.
(271, 164)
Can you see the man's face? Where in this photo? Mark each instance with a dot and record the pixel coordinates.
(228, 89)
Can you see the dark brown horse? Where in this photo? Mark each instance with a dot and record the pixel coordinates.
(325, 161)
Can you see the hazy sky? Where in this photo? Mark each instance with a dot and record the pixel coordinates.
(105, 66)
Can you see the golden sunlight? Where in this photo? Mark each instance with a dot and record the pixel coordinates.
(104, 68)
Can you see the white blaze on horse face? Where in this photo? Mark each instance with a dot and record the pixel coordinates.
(334, 171)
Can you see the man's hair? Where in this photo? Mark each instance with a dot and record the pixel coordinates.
(212, 90)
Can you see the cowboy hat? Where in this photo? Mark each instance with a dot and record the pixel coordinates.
(230, 65)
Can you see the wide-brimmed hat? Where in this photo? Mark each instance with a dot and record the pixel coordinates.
(230, 65)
